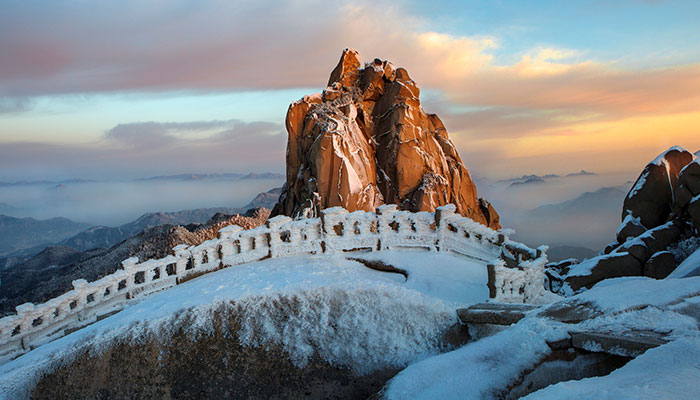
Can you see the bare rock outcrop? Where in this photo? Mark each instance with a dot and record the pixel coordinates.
(365, 141)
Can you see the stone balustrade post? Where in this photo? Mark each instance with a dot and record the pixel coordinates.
(129, 266)
(331, 219)
(274, 225)
(182, 254)
(26, 311)
(80, 286)
(385, 215)
(442, 214)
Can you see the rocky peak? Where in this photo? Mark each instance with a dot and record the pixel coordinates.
(365, 141)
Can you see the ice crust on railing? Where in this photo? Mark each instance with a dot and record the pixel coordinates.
(336, 231)
(520, 283)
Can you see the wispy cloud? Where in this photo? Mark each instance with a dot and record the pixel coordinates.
(544, 92)
(153, 148)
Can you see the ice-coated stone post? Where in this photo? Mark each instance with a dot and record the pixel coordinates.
(227, 236)
(182, 253)
(441, 216)
(333, 222)
(274, 224)
(385, 214)
(129, 265)
(80, 286)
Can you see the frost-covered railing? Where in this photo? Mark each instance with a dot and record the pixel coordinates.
(517, 276)
(336, 231)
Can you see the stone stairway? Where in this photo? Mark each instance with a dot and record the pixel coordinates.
(629, 344)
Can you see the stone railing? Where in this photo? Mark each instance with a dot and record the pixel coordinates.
(518, 275)
(336, 231)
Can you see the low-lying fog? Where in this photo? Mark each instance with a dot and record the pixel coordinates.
(557, 211)
(541, 213)
(116, 203)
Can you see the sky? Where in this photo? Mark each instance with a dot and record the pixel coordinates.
(134, 88)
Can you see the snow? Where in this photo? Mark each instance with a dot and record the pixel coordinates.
(669, 372)
(640, 291)
(629, 219)
(449, 282)
(648, 319)
(661, 158)
(485, 368)
(348, 314)
(639, 184)
(691, 264)
(585, 267)
(478, 369)
(684, 248)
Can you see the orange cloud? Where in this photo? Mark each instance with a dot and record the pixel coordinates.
(550, 106)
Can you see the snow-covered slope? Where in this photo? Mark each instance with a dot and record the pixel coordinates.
(349, 315)
(486, 368)
(689, 267)
(667, 372)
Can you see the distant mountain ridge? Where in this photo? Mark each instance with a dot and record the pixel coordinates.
(11, 211)
(530, 181)
(50, 273)
(224, 176)
(537, 178)
(44, 272)
(606, 196)
(590, 218)
(18, 233)
(106, 236)
(181, 177)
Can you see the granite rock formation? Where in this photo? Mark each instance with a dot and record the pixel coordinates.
(365, 141)
(661, 211)
(652, 196)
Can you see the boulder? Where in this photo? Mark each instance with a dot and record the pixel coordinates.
(630, 227)
(688, 186)
(690, 177)
(636, 248)
(366, 141)
(694, 212)
(594, 270)
(611, 247)
(561, 267)
(659, 238)
(660, 265)
(651, 198)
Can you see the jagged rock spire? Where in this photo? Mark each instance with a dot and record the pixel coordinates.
(366, 141)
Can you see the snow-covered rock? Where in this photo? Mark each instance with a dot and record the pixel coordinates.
(651, 198)
(307, 310)
(497, 366)
(689, 267)
(666, 372)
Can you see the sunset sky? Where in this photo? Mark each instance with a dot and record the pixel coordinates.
(138, 88)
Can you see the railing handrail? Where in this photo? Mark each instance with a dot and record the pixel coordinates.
(337, 230)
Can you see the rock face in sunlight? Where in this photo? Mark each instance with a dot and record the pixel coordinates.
(652, 196)
(365, 141)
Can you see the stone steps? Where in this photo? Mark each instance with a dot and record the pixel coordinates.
(629, 344)
(494, 313)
